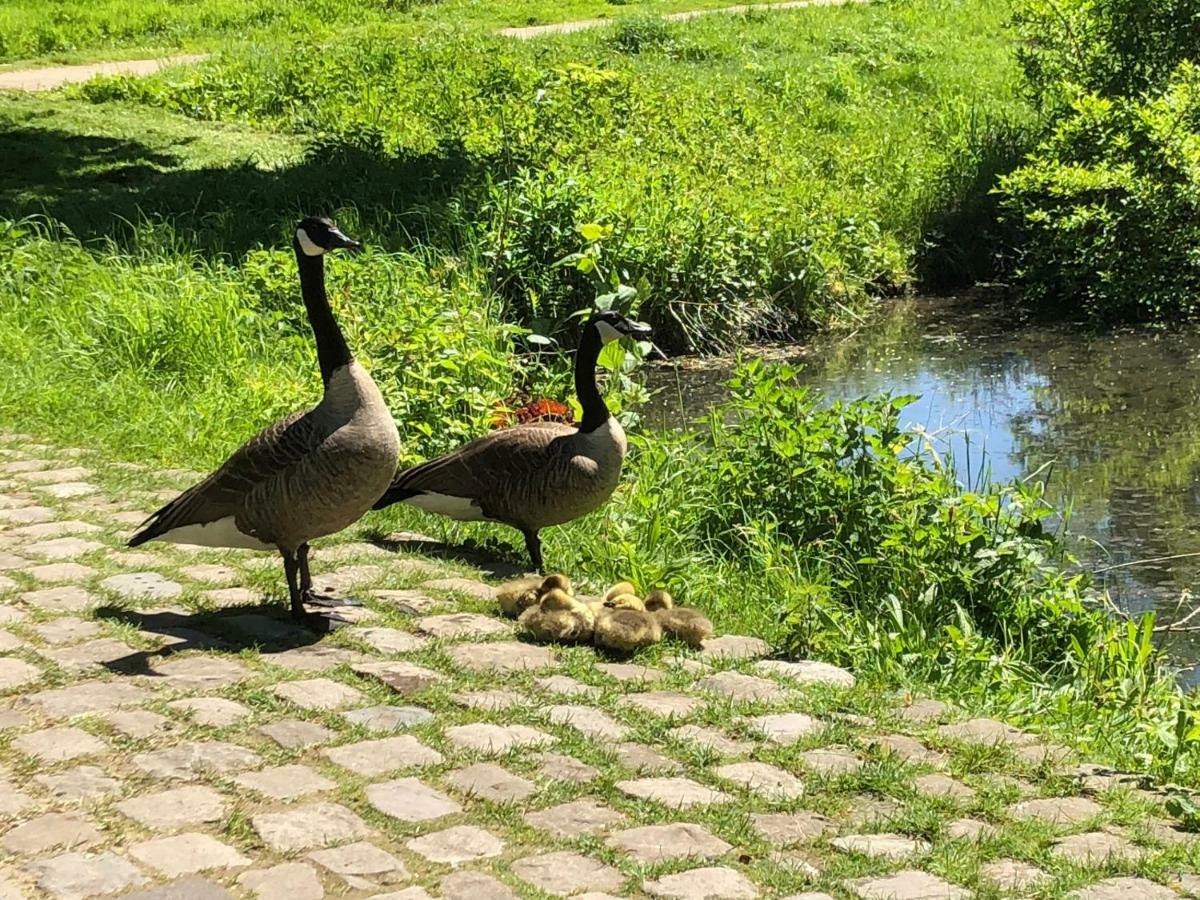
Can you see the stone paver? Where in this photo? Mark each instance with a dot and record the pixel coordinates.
(987, 732)
(462, 625)
(404, 678)
(564, 873)
(175, 808)
(1011, 874)
(142, 585)
(184, 889)
(16, 673)
(882, 846)
(198, 673)
(93, 655)
(67, 630)
(409, 800)
(361, 864)
(388, 718)
(734, 646)
(486, 781)
(787, 829)
(654, 844)
(80, 784)
(389, 640)
(740, 687)
(907, 885)
(1125, 889)
(1057, 810)
(186, 854)
(831, 762)
(296, 733)
(641, 759)
(501, 657)
(382, 755)
(52, 831)
(572, 819)
(488, 738)
(1095, 848)
(78, 874)
(188, 762)
(787, 728)
(216, 712)
(490, 701)
(588, 721)
(938, 785)
(474, 886)
(668, 704)
(807, 671)
(54, 745)
(286, 881)
(70, 598)
(319, 693)
(287, 782)
(706, 883)
(457, 845)
(567, 686)
(560, 767)
(766, 781)
(629, 673)
(311, 827)
(711, 739)
(62, 548)
(676, 793)
(138, 723)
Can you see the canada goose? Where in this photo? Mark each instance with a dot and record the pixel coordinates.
(559, 617)
(311, 473)
(625, 626)
(536, 475)
(686, 624)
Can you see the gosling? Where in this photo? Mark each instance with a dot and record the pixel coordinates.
(621, 587)
(688, 625)
(519, 595)
(625, 626)
(558, 617)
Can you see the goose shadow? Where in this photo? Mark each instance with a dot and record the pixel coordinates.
(264, 626)
(493, 560)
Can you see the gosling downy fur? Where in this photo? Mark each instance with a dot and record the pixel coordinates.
(621, 587)
(687, 625)
(624, 625)
(558, 617)
(518, 595)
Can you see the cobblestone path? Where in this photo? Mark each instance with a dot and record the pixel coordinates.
(168, 733)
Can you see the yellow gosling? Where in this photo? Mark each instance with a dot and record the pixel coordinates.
(518, 595)
(559, 617)
(621, 587)
(625, 626)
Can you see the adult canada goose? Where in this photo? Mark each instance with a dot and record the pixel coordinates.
(311, 473)
(536, 475)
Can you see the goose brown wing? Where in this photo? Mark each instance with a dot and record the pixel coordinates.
(264, 457)
(483, 467)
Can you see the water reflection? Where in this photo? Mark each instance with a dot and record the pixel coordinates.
(1109, 421)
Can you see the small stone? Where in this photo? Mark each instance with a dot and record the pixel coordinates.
(1011, 874)
(563, 873)
(558, 767)
(786, 829)
(741, 688)
(1095, 848)
(309, 827)
(403, 678)
(187, 762)
(16, 673)
(787, 728)
(918, 712)
(75, 875)
(486, 781)
(485, 737)
(318, 693)
(831, 763)
(286, 782)
(711, 739)
(48, 476)
(881, 846)
(970, 830)
(943, 786)
(314, 658)
(68, 598)
(51, 831)
(388, 718)
(457, 845)
(103, 653)
(766, 781)
(707, 883)
(69, 489)
(67, 630)
(53, 745)
(909, 749)
(987, 732)
(572, 819)
(653, 844)
(501, 657)
(476, 589)
(80, 784)
(630, 673)
(52, 529)
(215, 712)
(1056, 810)
(63, 548)
(588, 721)
(26, 515)
(175, 808)
(10, 615)
(184, 889)
(375, 757)
(1039, 755)
(563, 684)
(10, 642)
(462, 625)
(200, 673)
(489, 701)
(474, 886)
(361, 864)
(807, 671)
(908, 885)
(411, 603)
(641, 759)
(10, 561)
(872, 811)
(139, 585)
(186, 854)
(734, 646)
(138, 723)
(286, 881)
(408, 800)
(211, 574)
(677, 793)
(296, 733)
(668, 704)
(1125, 889)
(389, 640)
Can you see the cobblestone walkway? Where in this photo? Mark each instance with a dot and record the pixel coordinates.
(167, 733)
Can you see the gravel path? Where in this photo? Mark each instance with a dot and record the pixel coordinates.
(47, 79)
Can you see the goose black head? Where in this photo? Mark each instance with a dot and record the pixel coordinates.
(613, 326)
(316, 235)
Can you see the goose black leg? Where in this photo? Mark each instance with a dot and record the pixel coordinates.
(317, 622)
(311, 597)
(533, 544)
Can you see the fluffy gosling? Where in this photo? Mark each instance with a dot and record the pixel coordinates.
(688, 625)
(520, 594)
(558, 617)
(625, 626)
(621, 587)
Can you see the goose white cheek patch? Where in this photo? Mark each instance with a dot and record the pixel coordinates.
(307, 245)
(608, 334)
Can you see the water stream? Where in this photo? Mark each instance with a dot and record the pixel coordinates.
(1111, 421)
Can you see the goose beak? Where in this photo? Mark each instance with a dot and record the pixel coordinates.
(640, 331)
(341, 242)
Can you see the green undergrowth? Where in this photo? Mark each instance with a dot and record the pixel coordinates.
(762, 173)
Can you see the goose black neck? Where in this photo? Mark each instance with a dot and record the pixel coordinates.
(595, 413)
(332, 350)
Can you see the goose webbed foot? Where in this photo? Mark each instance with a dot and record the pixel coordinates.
(327, 601)
(321, 623)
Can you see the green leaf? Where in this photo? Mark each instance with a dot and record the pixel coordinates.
(592, 231)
